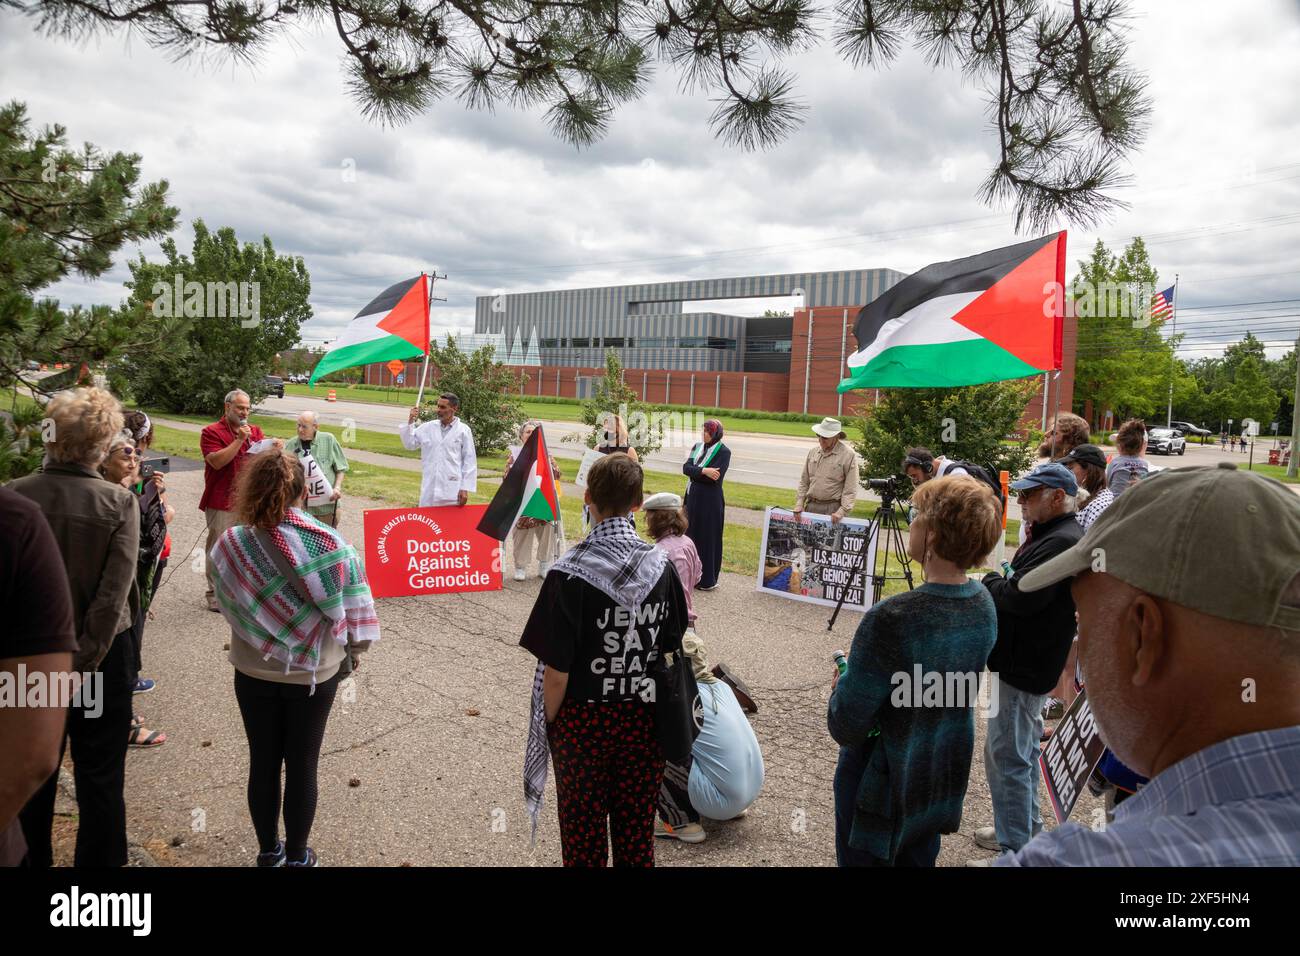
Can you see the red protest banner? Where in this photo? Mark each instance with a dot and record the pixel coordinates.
(430, 551)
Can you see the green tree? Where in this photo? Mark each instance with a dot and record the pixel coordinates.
(65, 212)
(1281, 375)
(489, 402)
(220, 315)
(21, 449)
(612, 396)
(1250, 395)
(1066, 105)
(969, 423)
(1123, 363)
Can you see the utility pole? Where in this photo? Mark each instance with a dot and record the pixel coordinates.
(1295, 416)
(1173, 358)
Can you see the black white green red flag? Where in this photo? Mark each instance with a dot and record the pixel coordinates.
(985, 318)
(395, 325)
(527, 491)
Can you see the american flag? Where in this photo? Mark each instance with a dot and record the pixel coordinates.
(1162, 305)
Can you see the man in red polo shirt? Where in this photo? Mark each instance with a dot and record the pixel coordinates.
(225, 444)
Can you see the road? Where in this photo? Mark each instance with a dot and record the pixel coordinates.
(774, 460)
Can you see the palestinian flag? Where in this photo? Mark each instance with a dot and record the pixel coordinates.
(395, 325)
(527, 491)
(985, 318)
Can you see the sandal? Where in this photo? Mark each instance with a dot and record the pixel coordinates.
(152, 738)
(137, 721)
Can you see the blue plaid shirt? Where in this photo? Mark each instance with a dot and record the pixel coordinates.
(1235, 803)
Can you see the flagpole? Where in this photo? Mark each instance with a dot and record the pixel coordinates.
(1169, 421)
(424, 369)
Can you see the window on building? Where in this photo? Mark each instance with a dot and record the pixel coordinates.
(614, 343)
(582, 343)
(724, 345)
(552, 343)
(692, 342)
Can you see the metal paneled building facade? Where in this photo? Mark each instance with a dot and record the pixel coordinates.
(646, 324)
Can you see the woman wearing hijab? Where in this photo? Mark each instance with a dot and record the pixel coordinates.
(706, 509)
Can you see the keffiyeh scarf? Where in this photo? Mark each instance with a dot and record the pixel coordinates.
(264, 608)
(617, 562)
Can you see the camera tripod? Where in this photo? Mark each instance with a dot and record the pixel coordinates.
(888, 521)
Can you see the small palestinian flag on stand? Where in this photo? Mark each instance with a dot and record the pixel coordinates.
(527, 491)
(985, 318)
(395, 325)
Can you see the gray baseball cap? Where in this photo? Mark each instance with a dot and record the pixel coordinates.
(1217, 540)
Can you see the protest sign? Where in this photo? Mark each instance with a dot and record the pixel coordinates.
(319, 491)
(1069, 756)
(811, 558)
(430, 551)
(590, 458)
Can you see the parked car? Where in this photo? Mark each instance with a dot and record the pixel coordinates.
(1166, 441)
(1187, 428)
(274, 385)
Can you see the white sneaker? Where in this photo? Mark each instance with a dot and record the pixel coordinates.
(987, 837)
(542, 568)
(521, 574)
(691, 833)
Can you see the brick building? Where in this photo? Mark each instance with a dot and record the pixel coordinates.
(792, 363)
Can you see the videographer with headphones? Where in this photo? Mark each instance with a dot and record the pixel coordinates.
(921, 465)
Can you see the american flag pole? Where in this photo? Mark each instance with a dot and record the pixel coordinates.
(1173, 356)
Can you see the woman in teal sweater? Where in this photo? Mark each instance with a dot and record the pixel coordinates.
(903, 713)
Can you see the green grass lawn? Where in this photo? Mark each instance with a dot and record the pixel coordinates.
(740, 543)
(547, 411)
(1271, 471)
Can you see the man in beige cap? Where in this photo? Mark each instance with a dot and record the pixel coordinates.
(829, 483)
(1188, 591)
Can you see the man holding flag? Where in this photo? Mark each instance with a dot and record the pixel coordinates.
(447, 452)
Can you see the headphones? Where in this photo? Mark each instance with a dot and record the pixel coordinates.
(925, 464)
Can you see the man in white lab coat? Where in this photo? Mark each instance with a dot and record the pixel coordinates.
(447, 450)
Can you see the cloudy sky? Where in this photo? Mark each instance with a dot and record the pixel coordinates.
(884, 173)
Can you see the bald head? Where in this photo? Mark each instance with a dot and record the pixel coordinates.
(307, 425)
(1166, 681)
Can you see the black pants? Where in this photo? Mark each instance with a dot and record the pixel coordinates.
(137, 633)
(285, 726)
(98, 741)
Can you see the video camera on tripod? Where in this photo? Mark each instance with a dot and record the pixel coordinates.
(886, 531)
(891, 488)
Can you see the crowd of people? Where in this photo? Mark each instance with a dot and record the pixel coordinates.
(647, 739)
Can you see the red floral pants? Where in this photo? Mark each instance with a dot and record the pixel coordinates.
(608, 770)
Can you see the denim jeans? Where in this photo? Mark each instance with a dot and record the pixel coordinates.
(1011, 748)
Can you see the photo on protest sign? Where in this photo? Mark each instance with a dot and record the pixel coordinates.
(1069, 756)
(814, 559)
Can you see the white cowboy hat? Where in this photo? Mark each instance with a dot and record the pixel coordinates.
(829, 428)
